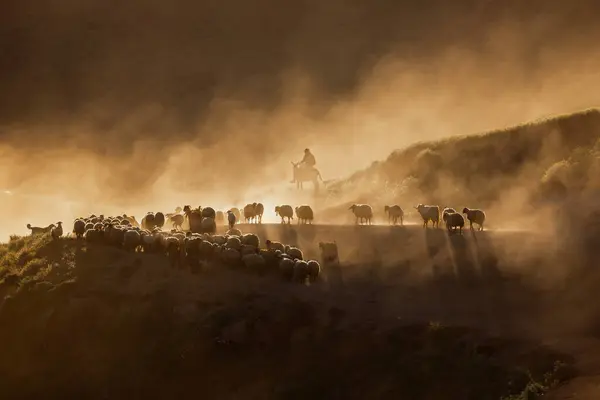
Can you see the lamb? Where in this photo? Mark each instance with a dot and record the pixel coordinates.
(231, 218)
(453, 221)
(35, 230)
(394, 212)
(362, 212)
(79, 228)
(285, 211)
(305, 214)
(57, 231)
(429, 213)
(474, 216)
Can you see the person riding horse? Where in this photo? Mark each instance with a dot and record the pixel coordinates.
(308, 161)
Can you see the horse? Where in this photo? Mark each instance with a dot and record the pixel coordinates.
(306, 174)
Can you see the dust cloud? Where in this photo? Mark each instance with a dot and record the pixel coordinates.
(125, 108)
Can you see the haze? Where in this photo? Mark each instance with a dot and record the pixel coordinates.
(156, 104)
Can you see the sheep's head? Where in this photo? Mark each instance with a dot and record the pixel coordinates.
(386, 208)
(59, 223)
(419, 207)
(277, 208)
(465, 210)
(352, 207)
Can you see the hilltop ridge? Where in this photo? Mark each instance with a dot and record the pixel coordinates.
(484, 169)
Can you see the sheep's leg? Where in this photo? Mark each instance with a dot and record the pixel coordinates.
(471, 224)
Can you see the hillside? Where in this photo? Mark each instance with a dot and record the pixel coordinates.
(498, 170)
(94, 321)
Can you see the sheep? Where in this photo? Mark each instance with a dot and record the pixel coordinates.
(131, 240)
(300, 271)
(285, 211)
(294, 252)
(35, 230)
(220, 218)
(234, 243)
(177, 221)
(286, 268)
(453, 221)
(236, 212)
(251, 239)
(394, 212)
(429, 213)
(474, 216)
(231, 256)
(362, 212)
(93, 236)
(329, 252)
(208, 225)
(159, 220)
(249, 212)
(57, 231)
(79, 228)
(233, 232)
(259, 210)
(173, 250)
(209, 212)
(305, 214)
(314, 269)
(447, 210)
(275, 246)
(231, 219)
(148, 221)
(254, 262)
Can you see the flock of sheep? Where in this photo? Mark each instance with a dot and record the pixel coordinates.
(200, 245)
(454, 221)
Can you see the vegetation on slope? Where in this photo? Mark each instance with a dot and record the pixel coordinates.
(97, 322)
(483, 169)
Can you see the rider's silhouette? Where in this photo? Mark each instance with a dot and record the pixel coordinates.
(308, 161)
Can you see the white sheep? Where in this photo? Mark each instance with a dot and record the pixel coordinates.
(475, 216)
(362, 212)
(285, 211)
(208, 225)
(454, 221)
(429, 213)
(305, 214)
(234, 243)
(300, 271)
(286, 267)
(394, 212)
